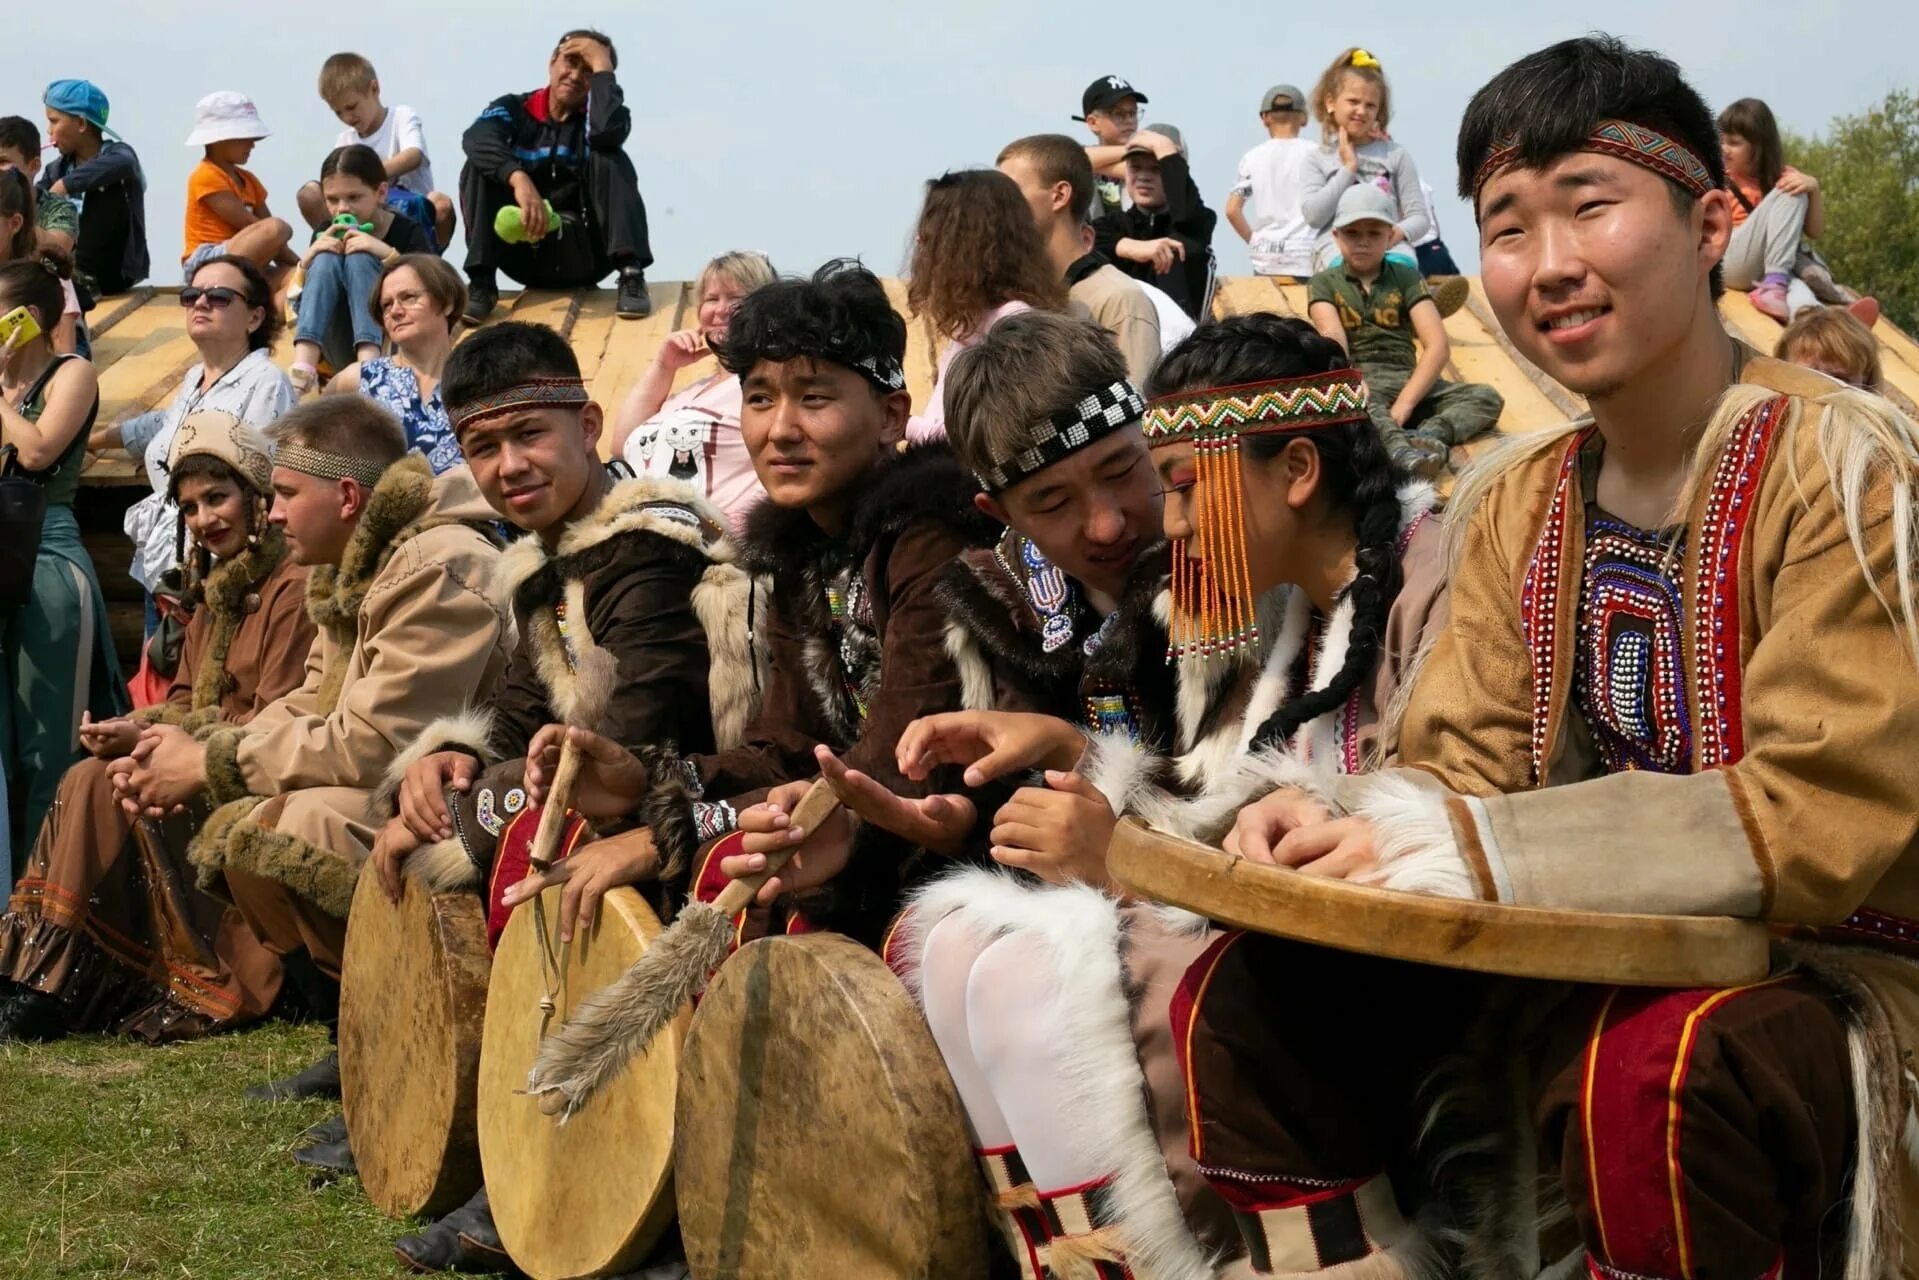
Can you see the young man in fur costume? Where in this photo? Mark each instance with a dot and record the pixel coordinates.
(106, 929)
(636, 576)
(401, 589)
(1680, 679)
(853, 538)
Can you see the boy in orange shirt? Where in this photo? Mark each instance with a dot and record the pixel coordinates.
(226, 205)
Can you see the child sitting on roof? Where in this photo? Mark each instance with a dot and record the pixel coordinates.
(227, 212)
(1836, 343)
(1375, 305)
(351, 89)
(1164, 237)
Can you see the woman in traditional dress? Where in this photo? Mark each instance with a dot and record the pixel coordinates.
(105, 930)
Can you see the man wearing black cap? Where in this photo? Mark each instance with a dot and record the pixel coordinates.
(1110, 110)
(1165, 236)
(1278, 235)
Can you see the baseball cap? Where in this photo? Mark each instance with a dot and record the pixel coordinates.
(1139, 146)
(223, 116)
(1363, 202)
(1106, 92)
(1282, 97)
(81, 98)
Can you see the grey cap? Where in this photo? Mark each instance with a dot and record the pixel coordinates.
(1364, 202)
(1138, 146)
(1282, 97)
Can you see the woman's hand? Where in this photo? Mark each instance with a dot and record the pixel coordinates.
(1262, 824)
(990, 744)
(939, 823)
(1058, 832)
(611, 777)
(1794, 183)
(108, 739)
(682, 348)
(1342, 849)
(627, 858)
(768, 827)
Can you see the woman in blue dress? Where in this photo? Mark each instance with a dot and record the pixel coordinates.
(419, 300)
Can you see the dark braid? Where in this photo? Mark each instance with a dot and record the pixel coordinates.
(1357, 476)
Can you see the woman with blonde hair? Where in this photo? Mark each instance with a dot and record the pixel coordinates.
(694, 434)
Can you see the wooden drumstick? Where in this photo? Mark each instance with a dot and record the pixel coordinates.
(593, 681)
(612, 1025)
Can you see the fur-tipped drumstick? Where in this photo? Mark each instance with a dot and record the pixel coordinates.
(619, 1021)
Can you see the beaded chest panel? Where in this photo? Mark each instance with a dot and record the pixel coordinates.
(1628, 673)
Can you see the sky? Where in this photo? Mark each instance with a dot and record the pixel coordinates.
(807, 131)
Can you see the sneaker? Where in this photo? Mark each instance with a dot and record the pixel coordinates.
(1450, 293)
(1420, 456)
(481, 297)
(321, 1080)
(1865, 311)
(1770, 300)
(634, 303)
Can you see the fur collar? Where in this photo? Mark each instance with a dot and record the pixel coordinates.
(398, 508)
(642, 506)
(230, 593)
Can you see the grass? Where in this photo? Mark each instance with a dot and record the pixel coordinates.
(118, 1159)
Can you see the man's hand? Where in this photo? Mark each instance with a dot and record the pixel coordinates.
(172, 770)
(108, 739)
(390, 850)
(1159, 254)
(938, 823)
(680, 349)
(606, 864)
(611, 777)
(532, 205)
(1059, 832)
(596, 56)
(1262, 824)
(990, 744)
(423, 805)
(1341, 849)
(768, 828)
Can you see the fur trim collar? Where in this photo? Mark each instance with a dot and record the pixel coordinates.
(398, 504)
(230, 593)
(668, 508)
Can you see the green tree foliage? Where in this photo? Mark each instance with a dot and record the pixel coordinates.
(1868, 166)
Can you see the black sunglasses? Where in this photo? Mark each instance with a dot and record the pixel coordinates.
(216, 296)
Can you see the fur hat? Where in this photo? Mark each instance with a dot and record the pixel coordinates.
(232, 441)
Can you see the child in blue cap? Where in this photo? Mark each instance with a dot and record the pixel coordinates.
(102, 175)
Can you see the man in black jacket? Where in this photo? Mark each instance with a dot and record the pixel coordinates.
(1165, 236)
(561, 146)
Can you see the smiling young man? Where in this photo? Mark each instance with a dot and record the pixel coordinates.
(1679, 680)
(563, 146)
(1165, 236)
(401, 591)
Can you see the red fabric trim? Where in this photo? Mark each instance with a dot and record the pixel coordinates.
(1273, 1197)
(1718, 648)
(1185, 1011)
(893, 951)
(510, 863)
(709, 882)
(536, 106)
(1539, 602)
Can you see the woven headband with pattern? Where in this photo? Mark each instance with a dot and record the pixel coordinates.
(328, 465)
(534, 393)
(1258, 408)
(1067, 432)
(1649, 148)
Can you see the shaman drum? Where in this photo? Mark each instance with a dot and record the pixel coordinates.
(592, 1196)
(819, 1133)
(1453, 933)
(412, 996)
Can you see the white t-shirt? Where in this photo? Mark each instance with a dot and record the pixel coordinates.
(1175, 326)
(1269, 178)
(399, 131)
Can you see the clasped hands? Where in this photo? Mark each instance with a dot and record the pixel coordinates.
(163, 768)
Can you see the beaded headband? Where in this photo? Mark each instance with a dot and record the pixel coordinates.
(531, 394)
(1649, 148)
(328, 465)
(1214, 614)
(1090, 418)
(885, 374)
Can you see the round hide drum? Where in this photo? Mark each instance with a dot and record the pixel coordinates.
(412, 997)
(1453, 933)
(592, 1196)
(819, 1133)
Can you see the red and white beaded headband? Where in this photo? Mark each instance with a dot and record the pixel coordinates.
(1670, 159)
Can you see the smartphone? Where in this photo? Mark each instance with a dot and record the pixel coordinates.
(18, 327)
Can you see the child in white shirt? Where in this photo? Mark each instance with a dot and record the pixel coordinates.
(1278, 235)
(350, 87)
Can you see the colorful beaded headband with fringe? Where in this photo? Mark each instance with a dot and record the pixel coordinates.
(534, 393)
(1092, 417)
(328, 465)
(1213, 609)
(1667, 157)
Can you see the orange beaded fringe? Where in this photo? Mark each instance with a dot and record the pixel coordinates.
(1213, 614)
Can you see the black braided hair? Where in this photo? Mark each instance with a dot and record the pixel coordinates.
(1357, 476)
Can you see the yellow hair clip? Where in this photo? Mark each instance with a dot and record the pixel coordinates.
(1361, 58)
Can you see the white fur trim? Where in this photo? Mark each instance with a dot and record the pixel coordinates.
(1119, 768)
(976, 676)
(442, 867)
(471, 729)
(732, 684)
(1208, 816)
(1319, 738)
(1413, 837)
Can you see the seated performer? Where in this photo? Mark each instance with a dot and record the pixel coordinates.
(854, 537)
(401, 590)
(1679, 680)
(106, 930)
(639, 571)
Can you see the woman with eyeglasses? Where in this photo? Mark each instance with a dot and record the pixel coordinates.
(233, 323)
(418, 300)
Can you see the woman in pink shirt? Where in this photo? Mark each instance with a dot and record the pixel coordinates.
(694, 434)
(977, 258)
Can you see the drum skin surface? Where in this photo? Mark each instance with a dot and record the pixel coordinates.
(412, 999)
(819, 1133)
(1453, 933)
(592, 1196)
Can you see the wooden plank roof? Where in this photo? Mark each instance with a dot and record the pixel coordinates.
(142, 351)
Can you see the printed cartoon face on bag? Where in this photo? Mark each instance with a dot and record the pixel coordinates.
(674, 446)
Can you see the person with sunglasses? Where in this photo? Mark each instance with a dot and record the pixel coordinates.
(418, 302)
(233, 324)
